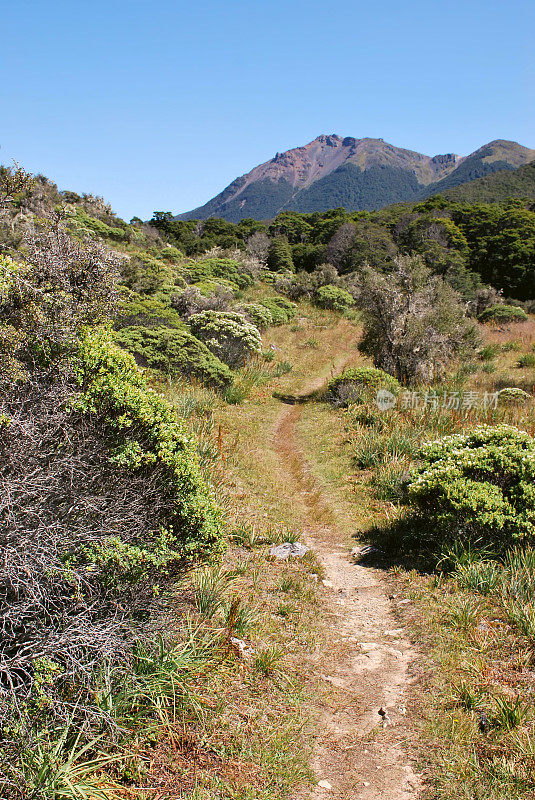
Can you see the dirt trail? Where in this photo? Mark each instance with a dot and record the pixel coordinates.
(367, 664)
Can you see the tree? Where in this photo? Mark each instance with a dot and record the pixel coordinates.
(414, 322)
(292, 225)
(372, 244)
(280, 255)
(258, 246)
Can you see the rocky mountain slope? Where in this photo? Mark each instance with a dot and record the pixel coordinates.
(332, 171)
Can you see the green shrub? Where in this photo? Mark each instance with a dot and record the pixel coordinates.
(175, 352)
(360, 384)
(503, 313)
(227, 269)
(259, 314)
(227, 335)
(145, 435)
(477, 486)
(281, 309)
(513, 396)
(147, 311)
(333, 298)
(526, 360)
(83, 221)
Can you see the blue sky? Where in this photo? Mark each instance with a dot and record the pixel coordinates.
(158, 106)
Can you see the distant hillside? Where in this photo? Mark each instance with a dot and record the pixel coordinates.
(503, 185)
(359, 174)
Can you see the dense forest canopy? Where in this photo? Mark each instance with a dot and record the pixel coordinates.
(493, 241)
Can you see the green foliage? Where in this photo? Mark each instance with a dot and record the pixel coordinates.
(513, 396)
(83, 222)
(228, 335)
(477, 486)
(225, 269)
(145, 435)
(63, 771)
(501, 243)
(282, 368)
(356, 189)
(259, 314)
(148, 311)
(526, 360)
(281, 309)
(333, 298)
(498, 187)
(360, 385)
(501, 314)
(489, 352)
(175, 352)
(280, 255)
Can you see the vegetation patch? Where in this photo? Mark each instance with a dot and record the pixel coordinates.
(174, 352)
(360, 385)
(477, 486)
(228, 335)
(503, 313)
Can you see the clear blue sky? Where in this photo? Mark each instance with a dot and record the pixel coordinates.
(159, 105)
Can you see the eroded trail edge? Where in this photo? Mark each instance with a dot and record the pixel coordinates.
(369, 661)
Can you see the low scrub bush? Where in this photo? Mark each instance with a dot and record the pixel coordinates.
(503, 313)
(333, 298)
(281, 309)
(175, 352)
(477, 486)
(513, 396)
(227, 269)
(193, 301)
(228, 335)
(360, 385)
(258, 314)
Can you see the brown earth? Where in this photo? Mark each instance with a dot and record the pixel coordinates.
(369, 662)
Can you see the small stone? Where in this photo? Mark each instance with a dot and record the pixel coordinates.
(241, 648)
(327, 678)
(324, 785)
(288, 550)
(367, 647)
(328, 584)
(395, 633)
(385, 719)
(403, 602)
(365, 783)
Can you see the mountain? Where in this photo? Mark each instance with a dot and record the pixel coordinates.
(503, 185)
(332, 171)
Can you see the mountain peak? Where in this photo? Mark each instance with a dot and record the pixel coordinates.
(365, 173)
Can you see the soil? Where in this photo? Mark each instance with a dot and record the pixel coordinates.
(369, 663)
